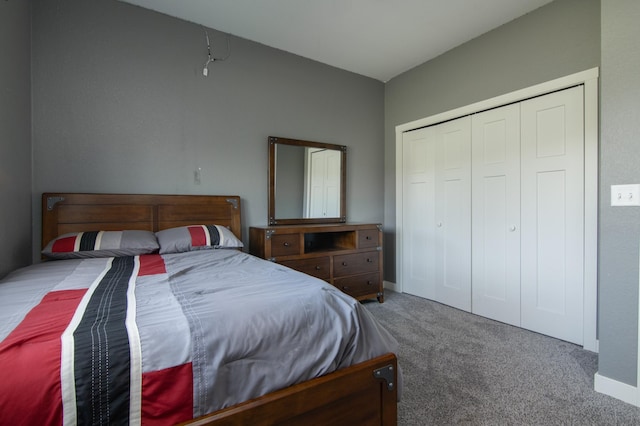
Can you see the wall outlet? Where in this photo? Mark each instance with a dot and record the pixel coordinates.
(625, 195)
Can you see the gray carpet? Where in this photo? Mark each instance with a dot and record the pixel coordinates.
(460, 368)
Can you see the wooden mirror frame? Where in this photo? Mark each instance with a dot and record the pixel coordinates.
(273, 219)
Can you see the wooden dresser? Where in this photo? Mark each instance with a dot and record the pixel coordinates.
(349, 256)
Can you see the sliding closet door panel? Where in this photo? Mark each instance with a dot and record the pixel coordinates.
(552, 214)
(453, 213)
(418, 260)
(496, 214)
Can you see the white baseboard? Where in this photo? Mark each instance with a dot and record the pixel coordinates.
(616, 389)
(391, 286)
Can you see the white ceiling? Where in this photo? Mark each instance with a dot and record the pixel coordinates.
(375, 38)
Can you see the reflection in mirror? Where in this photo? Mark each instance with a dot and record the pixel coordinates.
(290, 184)
(306, 182)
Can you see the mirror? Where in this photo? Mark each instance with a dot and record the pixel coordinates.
(307, 182)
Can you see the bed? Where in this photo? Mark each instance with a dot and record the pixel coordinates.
(255, 342)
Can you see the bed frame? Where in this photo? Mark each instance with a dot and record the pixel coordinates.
(363, 394)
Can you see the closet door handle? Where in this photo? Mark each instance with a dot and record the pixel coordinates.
(512, 228)
(439, 224)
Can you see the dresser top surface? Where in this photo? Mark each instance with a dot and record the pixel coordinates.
(325, 227)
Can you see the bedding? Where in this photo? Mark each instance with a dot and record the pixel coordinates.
(165, 338)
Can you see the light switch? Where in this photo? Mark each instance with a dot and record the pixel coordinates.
(625, 195)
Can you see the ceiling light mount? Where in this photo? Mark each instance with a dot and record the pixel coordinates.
(210, 57)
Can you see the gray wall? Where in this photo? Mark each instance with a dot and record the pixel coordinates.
(120, 105)
(619, 238)
(15, 135)
(558, 39)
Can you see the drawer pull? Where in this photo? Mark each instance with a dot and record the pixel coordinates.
(345, 288)
(286, 244)
(318, 268)
(344, 263)
(368, 237)
(369, 260)
(369, 282)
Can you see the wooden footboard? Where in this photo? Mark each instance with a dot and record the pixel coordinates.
(363, 394)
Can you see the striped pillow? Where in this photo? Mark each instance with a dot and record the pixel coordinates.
(196, 237)
(80, 245)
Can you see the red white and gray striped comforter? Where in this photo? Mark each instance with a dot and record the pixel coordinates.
(157, 339)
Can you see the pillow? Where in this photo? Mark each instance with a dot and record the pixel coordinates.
(79, 245)
(196, 237)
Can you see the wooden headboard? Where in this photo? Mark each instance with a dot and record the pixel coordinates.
(74, 212)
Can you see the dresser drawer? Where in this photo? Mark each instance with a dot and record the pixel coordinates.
(357, 263)
(349, 256)
(359, 285)
(316, 266)
(285, 244)
(368, 238)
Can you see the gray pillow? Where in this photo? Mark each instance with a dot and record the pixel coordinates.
(79, 245)
(196, 237)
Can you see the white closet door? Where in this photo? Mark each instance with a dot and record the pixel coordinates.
(418, 213)
(552, 214)
(453, 213)
(436, 219)
(496, 214)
